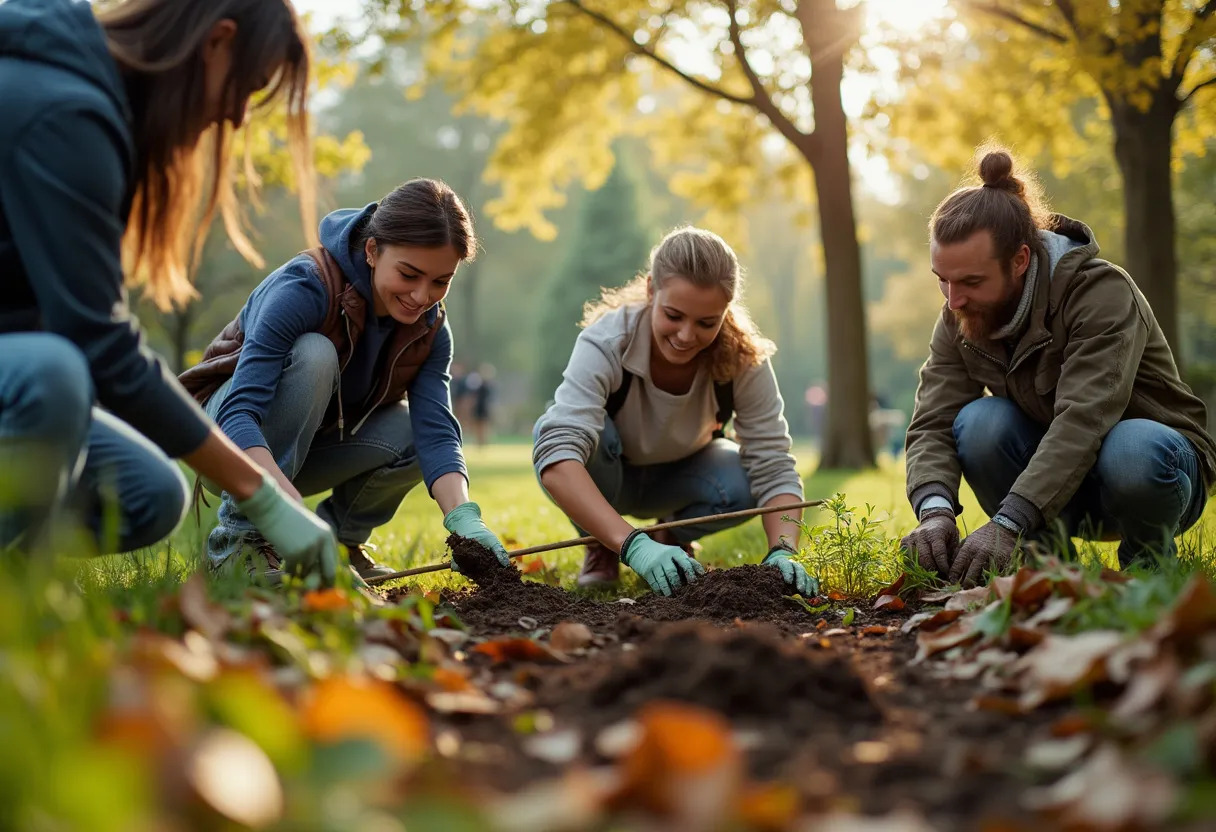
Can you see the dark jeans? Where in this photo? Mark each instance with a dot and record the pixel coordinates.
(1145, 489)
(61, 458)
(711, 481)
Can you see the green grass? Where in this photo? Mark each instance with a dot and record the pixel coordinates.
(515, 508)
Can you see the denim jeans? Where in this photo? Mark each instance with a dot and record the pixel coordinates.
(1145, 488)
(370, 473)
(64, 460)
(711, 481)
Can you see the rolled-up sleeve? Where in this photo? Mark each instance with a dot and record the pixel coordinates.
(764, 435)
(63, 187)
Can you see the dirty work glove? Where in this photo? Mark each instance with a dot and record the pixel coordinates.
(664, 567)
(465, 520)
(934, 541)
(795, 574)
(990, 546)
(303, 540)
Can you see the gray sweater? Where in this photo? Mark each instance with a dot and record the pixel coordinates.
(656, 426)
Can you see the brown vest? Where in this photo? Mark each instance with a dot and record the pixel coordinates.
(345, 319)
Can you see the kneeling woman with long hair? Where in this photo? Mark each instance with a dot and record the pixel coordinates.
(335, 375)
(636, 425)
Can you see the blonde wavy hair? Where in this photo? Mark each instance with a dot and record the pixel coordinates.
(704, 259)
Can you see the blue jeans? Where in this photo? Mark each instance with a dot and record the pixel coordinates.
(370, 473)
(1145, 488)
(61, 458)
(711, 481)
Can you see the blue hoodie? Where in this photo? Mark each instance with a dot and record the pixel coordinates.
(291, 302)
(66, 168)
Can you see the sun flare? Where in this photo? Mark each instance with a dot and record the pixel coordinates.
(905, 16)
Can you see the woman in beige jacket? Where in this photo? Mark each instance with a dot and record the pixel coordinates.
(636, 424)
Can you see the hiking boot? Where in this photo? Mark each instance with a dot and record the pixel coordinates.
(600, 566)
(667, 537)
(362, 562)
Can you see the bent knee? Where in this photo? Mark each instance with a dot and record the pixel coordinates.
(158, 509)
(315, 355)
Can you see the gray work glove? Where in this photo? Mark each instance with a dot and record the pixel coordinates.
(991, 546)
(934, 541)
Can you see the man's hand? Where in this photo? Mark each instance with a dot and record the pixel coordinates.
(990, 546)
(934, 541)
(794, 574)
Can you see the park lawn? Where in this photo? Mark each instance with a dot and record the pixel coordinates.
(514, 506)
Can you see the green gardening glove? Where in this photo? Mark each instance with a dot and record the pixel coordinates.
(664, 567)
(795, 574)
(303, 540)
(465, 520)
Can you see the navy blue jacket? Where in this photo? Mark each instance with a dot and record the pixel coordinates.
(291, 302)
(66, 181)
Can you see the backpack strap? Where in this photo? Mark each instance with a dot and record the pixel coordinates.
(616, 399)
(724, 395)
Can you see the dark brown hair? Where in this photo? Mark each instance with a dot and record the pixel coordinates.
(1008, 204)
(157, 45)
(421, 212)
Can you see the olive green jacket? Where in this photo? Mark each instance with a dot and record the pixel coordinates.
(1090, 355)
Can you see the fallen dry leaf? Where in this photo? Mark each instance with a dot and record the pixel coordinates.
(1108, 792)
(967, 599)
(1057, 754)
(1148, 685)
(451, 680)
(875, 630)
(837, 595)
(556, 747)
(997, 704)
(570, 635)
(915, 621)
(932, 641)
(343, 708)
(575, 801)
(1193, 614)
(685, 767)
(894, 588)
(233, 776)
(1024, 638)
(1052, 610)
(901, 821)
(1061, 664)
(199, 612)
(517, 649)
(325, 600)
(889, 602)
(471, 701)
(531, 565)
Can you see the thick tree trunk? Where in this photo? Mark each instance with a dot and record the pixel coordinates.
(846, 438)
(183, 321)
(470, 339)
(1143, 142)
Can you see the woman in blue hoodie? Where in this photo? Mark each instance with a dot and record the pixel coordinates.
(335, 376)
(101, 151)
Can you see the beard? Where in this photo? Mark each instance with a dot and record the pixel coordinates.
(979, 321)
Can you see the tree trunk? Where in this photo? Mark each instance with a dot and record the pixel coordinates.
(1143, 142)
(846, 438)
(471, 350)
(183, 320)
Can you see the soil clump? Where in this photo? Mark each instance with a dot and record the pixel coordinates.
(480, 565)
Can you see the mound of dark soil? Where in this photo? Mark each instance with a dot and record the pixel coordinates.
(480, 565)
(752, 593)
(748, 673)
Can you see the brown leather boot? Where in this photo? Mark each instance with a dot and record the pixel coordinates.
(601, 566)
(363, 563)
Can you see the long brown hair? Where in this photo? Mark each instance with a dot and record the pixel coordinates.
(157, 45)
(1005, 200)
(425, 213)
(704, 259)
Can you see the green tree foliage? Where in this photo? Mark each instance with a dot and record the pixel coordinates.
(607, 246)
(710, 85)
(1147, 67)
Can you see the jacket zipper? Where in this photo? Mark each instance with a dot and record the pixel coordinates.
(341, 369)
(389, 375)
(1031, 350)
(998, 362)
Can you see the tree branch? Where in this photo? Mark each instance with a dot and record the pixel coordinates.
(1206, 11)
(1013, 17)
(639, 49)
(1211, 82)
(761, 99)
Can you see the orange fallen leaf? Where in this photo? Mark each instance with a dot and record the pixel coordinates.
(685, 766)
(997, 704)
(1023, 638)
(940, 619)
(889, 602)
(343, 708)
(874, 630)
(325, 600)
(821, 624)
(837, 595)
(516, 649)
(199, 612)
(452, 681)
(1193, 614)
(532, 564)
(894, 588)
(1071, 724)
